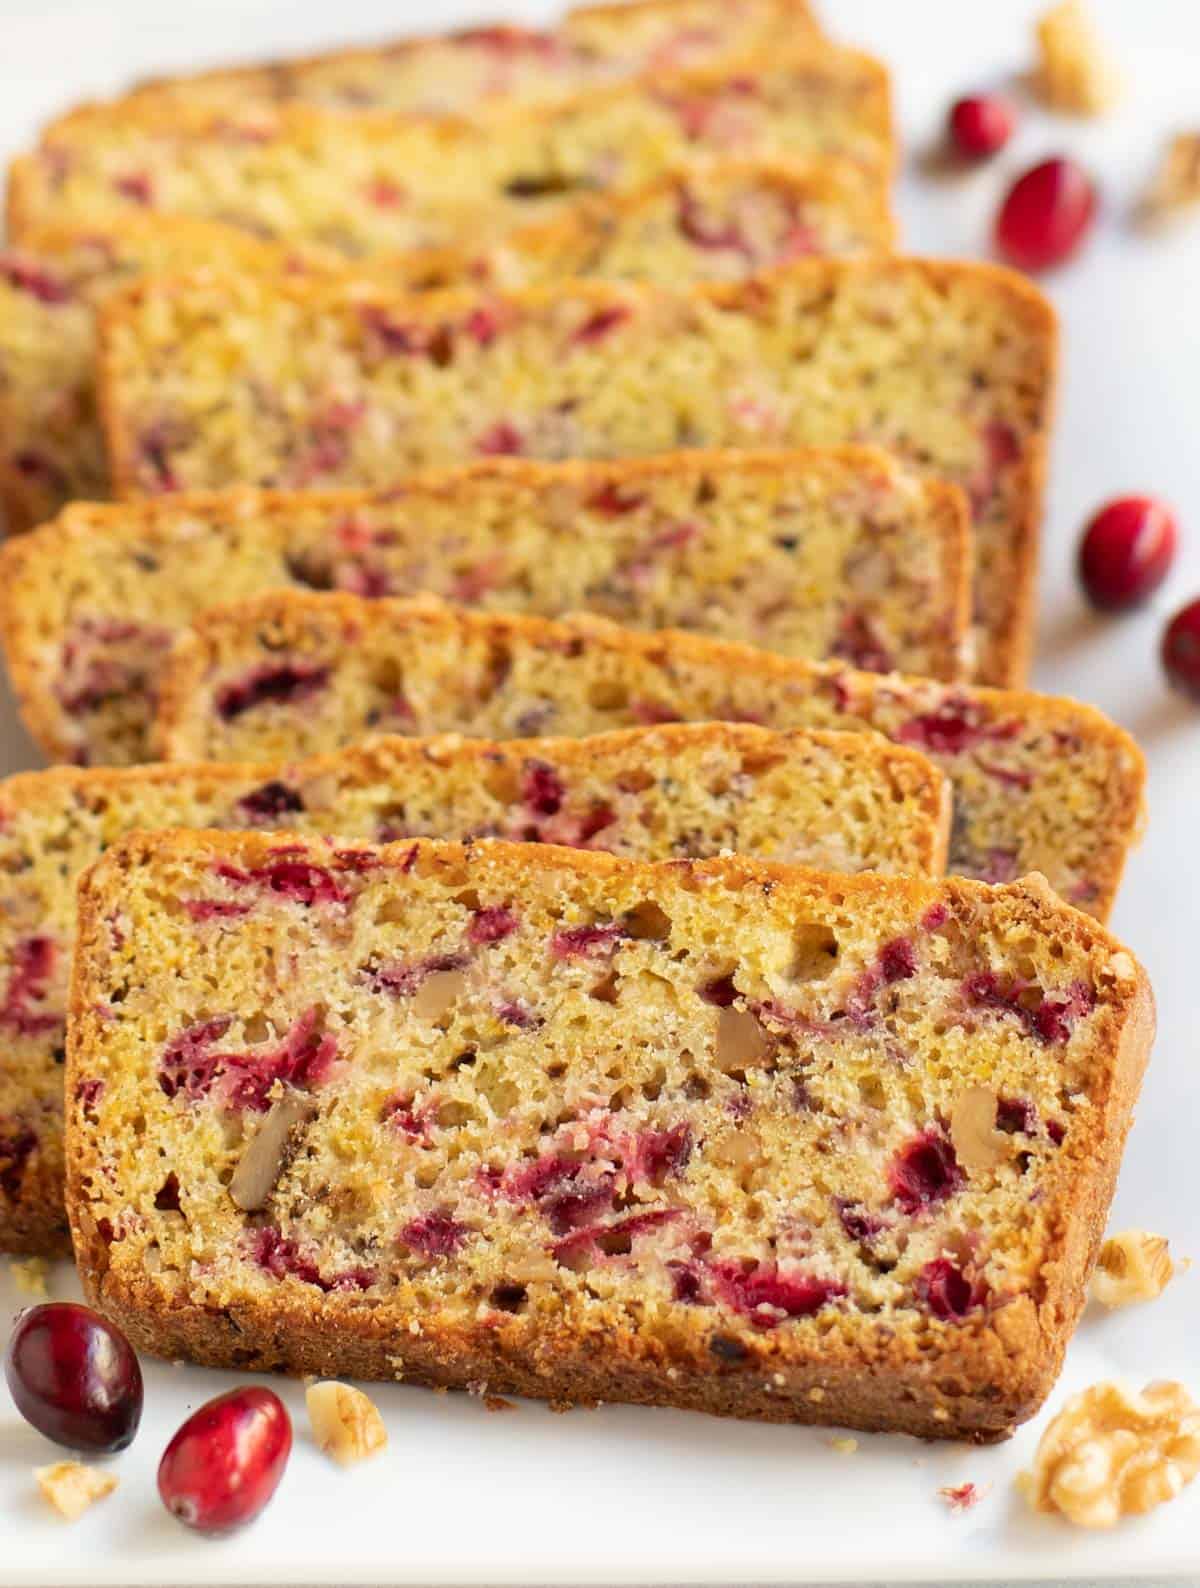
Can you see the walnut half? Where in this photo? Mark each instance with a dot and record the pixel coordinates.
(1111, 1453)
(1132, 1266)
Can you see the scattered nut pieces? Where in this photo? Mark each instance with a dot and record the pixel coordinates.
(844, 1445)
(497, 1403)
(963, 1496)
(71, 1488)
(1175, 185)
(978, 1145)
(346, 1423)
(1132, 1266)
(29, 1276)
(1111, 1453)
(1074, 71)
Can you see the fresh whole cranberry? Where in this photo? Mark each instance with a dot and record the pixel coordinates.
(1181, 650)
(225, 1462)
(981, 124)
(75, 1378)
(1046, 215)
(1127, 551)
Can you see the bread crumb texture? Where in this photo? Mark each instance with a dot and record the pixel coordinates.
(473, 69)
(721, 220)
(847, 802)
(817, 553)
(211, 383)
(1040, 784)
(571, 1121)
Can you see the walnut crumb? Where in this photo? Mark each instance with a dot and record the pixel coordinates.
(29, 1276)
(71, 1488)
(497, 1403)
(844, 1445)
(1132, 1266)
(1112, 1452)
(1074, 71)
(1175, 184)
(346, 1423)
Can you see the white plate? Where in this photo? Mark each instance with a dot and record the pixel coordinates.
(617, 1495)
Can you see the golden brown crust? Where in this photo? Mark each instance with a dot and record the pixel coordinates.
(971, 1380)
(1006, 640)
(294, 618)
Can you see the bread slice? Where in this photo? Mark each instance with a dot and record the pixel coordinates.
(1040, 783)
(848, 801)
(375, 181)
(838, 553)
(477, 68)
(51, 445)
(724, 219)
(337, 383)
(764, 1141)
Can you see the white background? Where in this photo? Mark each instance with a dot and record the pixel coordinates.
(635, 1496)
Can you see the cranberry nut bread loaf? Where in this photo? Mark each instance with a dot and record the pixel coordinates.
(765, 1142)
(484, 66)
(835, 553)
(1039, 783)
(848, 802)
(207, 383)
(377, 182)
(720, 220)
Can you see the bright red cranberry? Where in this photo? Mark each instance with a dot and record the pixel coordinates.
(75, 1378)
(225, 1462)
(1127, 551)
(1181, 650)
(1046, 215)
(981, 124)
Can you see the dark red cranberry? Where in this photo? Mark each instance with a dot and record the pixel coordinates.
(283, 684)
(1181, 650)
(1127, 551)
(436, 1234)
(924, 1172)
(947, 1291)
(1046, 215)
(75, 1378)
(541, 788)
(981, 124)
(225, 1463)
(271, 801)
